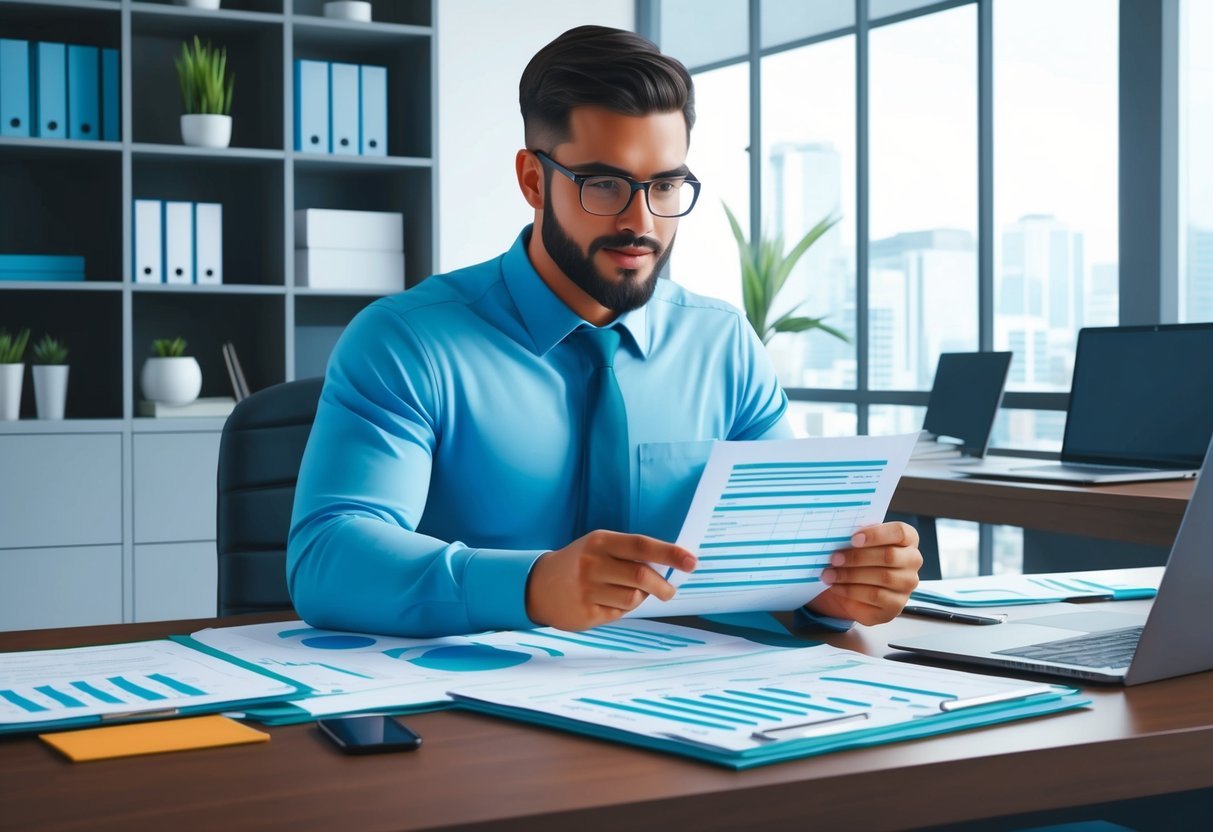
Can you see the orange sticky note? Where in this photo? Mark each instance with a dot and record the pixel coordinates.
(152, 738)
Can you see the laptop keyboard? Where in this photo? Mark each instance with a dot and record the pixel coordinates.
(1111, 648)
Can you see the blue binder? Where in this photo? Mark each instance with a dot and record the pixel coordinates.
(14, 87)
(344, 106)
(83, 113)
(374, 111)
(311, 106)
(111, 126)
(50, 81)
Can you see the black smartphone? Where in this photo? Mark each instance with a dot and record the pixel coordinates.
(369, 734)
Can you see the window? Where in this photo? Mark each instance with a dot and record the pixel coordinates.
(1195, 163)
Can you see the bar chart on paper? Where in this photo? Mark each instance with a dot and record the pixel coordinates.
(767, 516)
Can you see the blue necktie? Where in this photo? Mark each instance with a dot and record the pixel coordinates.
(605, 470)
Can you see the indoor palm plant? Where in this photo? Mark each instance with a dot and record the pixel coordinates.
(764, 271)
(12, 373)
(206, 94)
(49, 357)
(171, 376)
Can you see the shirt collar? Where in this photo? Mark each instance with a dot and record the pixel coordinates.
(546, 317)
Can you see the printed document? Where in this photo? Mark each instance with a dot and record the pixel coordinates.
(767, 515)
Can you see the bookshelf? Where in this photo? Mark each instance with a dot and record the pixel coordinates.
(76, 197)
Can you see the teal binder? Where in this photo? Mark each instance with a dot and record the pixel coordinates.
(50, 79)
(111, 96)
(14, 88)
(83, 107)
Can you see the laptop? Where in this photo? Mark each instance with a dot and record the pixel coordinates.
(965, 399)
(1173, 639)
(1141, 408)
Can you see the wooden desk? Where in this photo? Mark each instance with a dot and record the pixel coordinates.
(475, 772)
(1142, 512)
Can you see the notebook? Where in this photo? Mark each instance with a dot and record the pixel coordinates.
(965, 399)
(1172, 640)
(1139, 409)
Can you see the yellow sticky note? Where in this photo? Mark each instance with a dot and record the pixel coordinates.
(152, 738)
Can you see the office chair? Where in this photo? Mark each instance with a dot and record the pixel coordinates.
(259, 455)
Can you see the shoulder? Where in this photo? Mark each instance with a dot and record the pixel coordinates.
(681, 307)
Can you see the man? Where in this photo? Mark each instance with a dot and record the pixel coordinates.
(459, 445)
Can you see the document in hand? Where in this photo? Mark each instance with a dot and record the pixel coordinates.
(1044, 588)
(769, 705)
(767, 515)
(49, 689)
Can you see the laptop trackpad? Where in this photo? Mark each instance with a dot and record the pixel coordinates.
(1087, 622)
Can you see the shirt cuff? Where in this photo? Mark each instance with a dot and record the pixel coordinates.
(804, 617)
(495, 583)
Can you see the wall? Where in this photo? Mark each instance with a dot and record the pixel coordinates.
(483, 46)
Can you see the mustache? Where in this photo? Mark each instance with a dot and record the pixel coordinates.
(624, 241)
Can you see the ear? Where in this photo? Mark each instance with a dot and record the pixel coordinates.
(530, 178)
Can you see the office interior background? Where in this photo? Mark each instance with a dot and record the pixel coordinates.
(1006, 171)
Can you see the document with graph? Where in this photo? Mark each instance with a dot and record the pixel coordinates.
(765, 705)
(43, 689)
(767, 515)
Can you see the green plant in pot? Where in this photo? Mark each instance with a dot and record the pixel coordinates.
(170, 376)
(49, 357)
(206, 95)
(12, 373)
(764, 271)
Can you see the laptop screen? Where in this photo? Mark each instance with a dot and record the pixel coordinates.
(1141, 395)
(965, 397)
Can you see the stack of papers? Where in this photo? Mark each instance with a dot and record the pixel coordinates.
(1044, 588)
(931, 447)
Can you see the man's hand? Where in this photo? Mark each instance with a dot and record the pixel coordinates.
(599, 577)
(871, 581)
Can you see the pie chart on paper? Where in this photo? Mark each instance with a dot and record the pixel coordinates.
(460, 658)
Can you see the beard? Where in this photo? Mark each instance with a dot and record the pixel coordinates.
(630, 291)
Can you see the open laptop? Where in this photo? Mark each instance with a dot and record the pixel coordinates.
(1173, 639)
(1141, 408)
(965, 399)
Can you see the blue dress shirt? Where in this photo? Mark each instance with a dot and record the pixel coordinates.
(444, 456)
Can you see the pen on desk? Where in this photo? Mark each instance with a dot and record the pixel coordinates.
(958, 617)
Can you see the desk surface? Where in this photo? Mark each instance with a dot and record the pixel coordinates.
(1142, 512)
(479, 772)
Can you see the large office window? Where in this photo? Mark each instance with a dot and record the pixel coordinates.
(1195, 161)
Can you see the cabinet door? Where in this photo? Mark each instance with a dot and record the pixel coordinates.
(175, 580)
(174, 483)
(60, 490)
(50, 587)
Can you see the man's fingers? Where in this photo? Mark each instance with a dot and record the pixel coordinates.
(902, 580)
(889, 557)
(886, 534)
(630, 574)
(867, 594)
(639, 547)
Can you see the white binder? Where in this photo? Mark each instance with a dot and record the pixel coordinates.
(148, 245)
(208, 242)
(374, 110)
(178, 242)
(311, 106)
(345, 122)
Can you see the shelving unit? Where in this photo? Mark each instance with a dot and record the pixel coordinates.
(76, 197)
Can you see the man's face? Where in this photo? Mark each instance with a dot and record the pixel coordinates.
(613, 259)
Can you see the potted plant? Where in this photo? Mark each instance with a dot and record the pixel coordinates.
(12, 373)
(171, 376)
(765, 270)
(50, 377)
(206, 94)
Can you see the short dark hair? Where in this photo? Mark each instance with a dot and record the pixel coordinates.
(604, 67)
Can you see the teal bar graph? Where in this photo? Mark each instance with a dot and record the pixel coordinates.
(180, 687)
(97, 693)
(60, 697)
(130, 687)
(21, 702)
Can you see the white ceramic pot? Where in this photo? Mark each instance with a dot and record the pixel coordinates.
(50, 390)
(206, 130)
(359, 10)
(11, 377)
(171, 380)
(199, 4)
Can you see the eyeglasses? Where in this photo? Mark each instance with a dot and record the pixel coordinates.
(606, 195)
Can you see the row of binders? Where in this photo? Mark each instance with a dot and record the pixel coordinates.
(340, 108)
(59, 91)
(41, 267)
(178, 242)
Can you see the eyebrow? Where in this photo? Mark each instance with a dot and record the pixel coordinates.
(593, 168)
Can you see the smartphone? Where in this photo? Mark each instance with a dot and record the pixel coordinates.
(369, 734)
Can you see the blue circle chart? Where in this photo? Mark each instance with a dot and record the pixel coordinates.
(462, 658)
(337, 642)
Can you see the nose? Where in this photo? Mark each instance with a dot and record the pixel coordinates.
(636, 218)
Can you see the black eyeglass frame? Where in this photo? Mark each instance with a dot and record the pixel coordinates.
(581, 178)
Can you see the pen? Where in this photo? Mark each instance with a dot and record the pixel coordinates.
(958, 617)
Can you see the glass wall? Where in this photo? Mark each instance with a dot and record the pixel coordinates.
(1195, 161)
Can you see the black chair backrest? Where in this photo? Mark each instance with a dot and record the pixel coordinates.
(259, 455)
